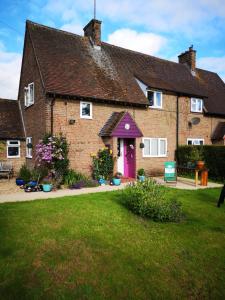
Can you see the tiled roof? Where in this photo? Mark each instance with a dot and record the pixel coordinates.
(10, 120)
(219, 132)
(71, 66)
(111, 123)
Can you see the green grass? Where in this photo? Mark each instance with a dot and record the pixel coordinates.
(91, 247)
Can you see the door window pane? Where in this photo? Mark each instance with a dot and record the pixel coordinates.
(158, 99)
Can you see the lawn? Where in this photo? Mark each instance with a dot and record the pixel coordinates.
(91, 247)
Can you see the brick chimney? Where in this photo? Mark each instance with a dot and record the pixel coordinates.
(93, 31)
(188, 58)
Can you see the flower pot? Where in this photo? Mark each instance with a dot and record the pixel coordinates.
(20, 181)
(47, 187)
(200, 164)
(116, 181)
(32, 183)
(141, 178)
(102, 181)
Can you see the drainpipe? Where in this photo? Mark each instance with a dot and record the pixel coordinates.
(52, 110)
(177, 123)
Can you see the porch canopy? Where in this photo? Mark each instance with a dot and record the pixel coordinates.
(121, 125)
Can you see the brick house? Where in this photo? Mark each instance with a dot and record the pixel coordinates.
(98, 94)
(12, 138)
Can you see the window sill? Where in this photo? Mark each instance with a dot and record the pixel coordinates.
(156, 107)
(29, 157)
(150, 156)
(11, 157)
(28, 106)
(197, 112)
(86, 118)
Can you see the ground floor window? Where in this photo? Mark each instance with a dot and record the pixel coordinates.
(13, 149)
(195, 141)
(155, 147)
(29, 147)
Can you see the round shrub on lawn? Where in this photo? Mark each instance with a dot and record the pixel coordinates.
(149, 199)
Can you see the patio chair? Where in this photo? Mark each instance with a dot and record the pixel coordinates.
(6, 169)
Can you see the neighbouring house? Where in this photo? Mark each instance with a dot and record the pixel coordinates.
(97, 95)
(12, 138)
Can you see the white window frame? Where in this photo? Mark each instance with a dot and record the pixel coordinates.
(154, 98)
(15, 146)
(28, 150)
(195, 104)
(28, 97)
(85, 117)
(195, 139)
(158, 139)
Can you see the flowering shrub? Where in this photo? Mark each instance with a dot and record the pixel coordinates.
(52, 153)
(102, 164)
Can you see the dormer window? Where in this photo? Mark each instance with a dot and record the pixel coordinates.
(196, 105)
(29, 95)
(154, 98)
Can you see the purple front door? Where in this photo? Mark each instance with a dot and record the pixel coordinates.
(129, 158)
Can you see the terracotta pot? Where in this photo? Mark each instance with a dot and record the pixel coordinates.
(200, 164)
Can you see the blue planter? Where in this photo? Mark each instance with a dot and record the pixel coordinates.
(141, 178)
(20, 181)
(47, 187)
(116, 181)
(32, 183)
(102, 181)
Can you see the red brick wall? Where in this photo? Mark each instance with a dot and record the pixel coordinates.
(84, 140)
(35, 115)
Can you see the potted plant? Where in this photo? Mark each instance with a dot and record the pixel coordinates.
(141, 174)
(197, 156)
(101, 180)
(23, 176)
(46, 185)
(117, 178)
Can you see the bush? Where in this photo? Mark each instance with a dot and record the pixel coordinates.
(141, 172)
(84, 183)
(102, 164)
(72, 177)
(148, 199)
(214, 157)
(25, 173)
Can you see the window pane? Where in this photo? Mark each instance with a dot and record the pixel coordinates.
(154, 147)
(189, 142)
(162, 147)
(13, 151)
(86, 109)
(31, 93)
(193, 104)
(158, 99)
(201, 142)
(147, 147)
(150, 98)
(199, 105)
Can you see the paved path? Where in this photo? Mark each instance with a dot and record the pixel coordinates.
(20, 197)
(182, 183)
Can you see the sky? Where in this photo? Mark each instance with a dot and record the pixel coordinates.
(162, 28)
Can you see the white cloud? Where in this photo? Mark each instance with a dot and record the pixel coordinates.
(214, 64)
(71, 27)
(144, 42)
(10, 64)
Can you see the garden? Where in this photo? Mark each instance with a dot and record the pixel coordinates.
(93, 247)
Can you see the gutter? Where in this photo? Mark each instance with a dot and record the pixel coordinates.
(177, 122)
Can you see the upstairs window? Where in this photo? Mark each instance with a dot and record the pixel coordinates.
(86, 110)
(195, 141)
(29, 95)
(29, 147)
(154, 98)
(13, 149)
(196, 105)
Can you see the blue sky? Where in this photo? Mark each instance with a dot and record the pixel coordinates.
(162, 28)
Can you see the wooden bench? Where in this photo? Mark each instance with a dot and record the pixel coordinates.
(6, 169)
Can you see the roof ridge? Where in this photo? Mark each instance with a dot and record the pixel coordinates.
(11, 100)
(29, 22)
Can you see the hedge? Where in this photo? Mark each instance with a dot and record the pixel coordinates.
(214, 157)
